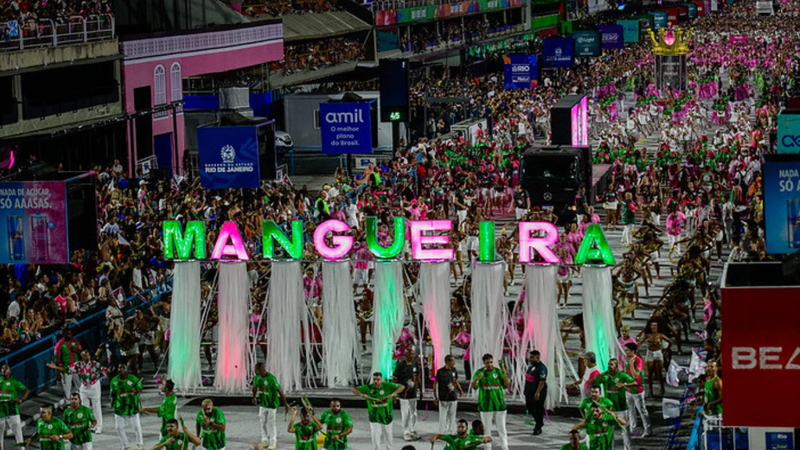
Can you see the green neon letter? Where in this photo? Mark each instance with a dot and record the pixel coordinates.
(486, 235)
(174, 237)
(603, 252)
(293, 247)
(399, 238)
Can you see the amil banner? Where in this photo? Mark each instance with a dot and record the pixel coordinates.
(345, 128)
(630, 30)
(587, 44)
(612, 36)
(520, 71)
(789, 132)
(782, 206)
(558, 52)
(228, 157)
(33, 222)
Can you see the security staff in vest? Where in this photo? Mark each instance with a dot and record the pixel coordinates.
(321, 205)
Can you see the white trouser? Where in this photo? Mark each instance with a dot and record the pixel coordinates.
(15, 424)
(408, 412)
(90, 396)
(626, 430)
(500, 422)
(269, 430)
(671, 242)
(69, 382)
(626, 233)
(381, 433)
(70, 446)
(636, 405)
(447, 417)
(462, 216)
(121, 422)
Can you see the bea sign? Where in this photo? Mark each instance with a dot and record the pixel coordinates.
(761, 357)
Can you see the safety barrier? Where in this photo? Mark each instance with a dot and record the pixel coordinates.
(17, 35)
(28, 362)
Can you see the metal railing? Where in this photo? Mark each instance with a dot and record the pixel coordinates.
(17, 35)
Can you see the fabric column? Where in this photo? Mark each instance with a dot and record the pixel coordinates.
(598, 314)
(542, 331)
(185, 327)
(233, 305)
(489, 313)
(339, 339)
(287, 321)
(388, 316)
(434, 291)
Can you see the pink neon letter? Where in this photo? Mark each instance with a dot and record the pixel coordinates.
(235, 248)
(342, 244)
(418, 240)
(540, 244)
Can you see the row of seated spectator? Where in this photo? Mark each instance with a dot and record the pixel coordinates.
(58, 11)
(426, 36)
(282, 7)
(318, 55)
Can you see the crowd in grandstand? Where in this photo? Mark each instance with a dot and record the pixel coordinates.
(316, 55)
(421, 38)
(59, 11)
(277, 8)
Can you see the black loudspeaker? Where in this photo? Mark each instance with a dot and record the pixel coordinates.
(791, 269)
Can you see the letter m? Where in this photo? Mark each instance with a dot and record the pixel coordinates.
(175, 239)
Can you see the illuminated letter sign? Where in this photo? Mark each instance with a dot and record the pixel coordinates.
(539, 244)
(235, 249)
(342, 244)
(293, 247)
(418, 252)
(486, 248)
(175, 239)
(603, 252)
(399, 238)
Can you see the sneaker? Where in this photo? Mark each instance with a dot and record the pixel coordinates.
(415, 436)
(537, 431)
(272, 446)
(407, 437)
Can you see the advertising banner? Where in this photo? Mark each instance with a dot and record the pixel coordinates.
(659, 19)
(558, 52)
(782, 206)
(683, 14)
(612, 36)
(33, 222)
(789, 131)
(701, 7)
(345, 127)
(630, 30)
(692, 8)
(587, 44)
(762, 342)
(520, 71)
(672, 16)
(385, 17)
(228, 157)
(738, 39)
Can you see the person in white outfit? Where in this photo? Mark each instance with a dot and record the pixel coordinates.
(380, 396)
(634, 367)
(12, 394)
(266, 394)
(408, 374)
(491, 382)
(446, 390)
(88, 374)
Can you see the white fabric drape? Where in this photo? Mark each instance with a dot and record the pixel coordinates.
(388, 316)
(185, 327)
(489, 313)
(598, 314)
(434, 291)
(233, 365)
(339, 340)
(542, 332)
(288, 324)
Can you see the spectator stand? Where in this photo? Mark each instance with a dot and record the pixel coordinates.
(28, 362)
(34, 33)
